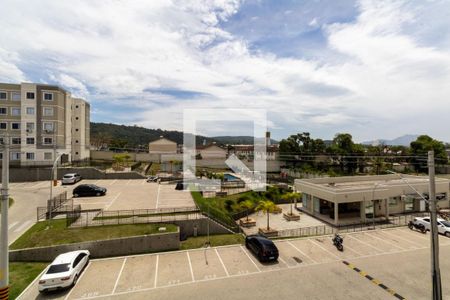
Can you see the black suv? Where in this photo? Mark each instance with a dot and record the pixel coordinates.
(88, 190)
(263, 248)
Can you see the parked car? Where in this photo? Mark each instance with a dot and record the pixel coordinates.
(182, 186)
(443, 225)
(71, 178)
(64, 271)
(152, 178)
(263, 248)
(88, 190)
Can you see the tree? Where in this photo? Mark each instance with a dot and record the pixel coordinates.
(346, 152)
(247, 205)
(266, 207)
(420, 148)
(291, 197)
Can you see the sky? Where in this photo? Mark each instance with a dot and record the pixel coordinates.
(374, 69)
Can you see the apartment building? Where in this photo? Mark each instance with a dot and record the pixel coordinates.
(42, 121)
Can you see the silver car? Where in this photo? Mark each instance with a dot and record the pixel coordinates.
(71, 178)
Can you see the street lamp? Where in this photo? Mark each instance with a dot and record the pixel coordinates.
(373, 202)
(435, 270)
(52, 179)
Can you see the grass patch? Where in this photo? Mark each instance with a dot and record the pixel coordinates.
(21, 274)
(216, 240)
(39, 235)
(10, 202)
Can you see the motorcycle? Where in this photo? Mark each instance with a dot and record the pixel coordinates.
(417, 226)
(337, 241)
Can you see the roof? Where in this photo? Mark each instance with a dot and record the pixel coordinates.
(270, 148)
(203, 147)
(67, 257)
(162, 139)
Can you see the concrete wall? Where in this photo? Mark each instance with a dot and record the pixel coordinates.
(187, 227)
(104, 248)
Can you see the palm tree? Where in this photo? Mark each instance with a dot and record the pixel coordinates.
(247, 205)
(266, 207)
(291, 197)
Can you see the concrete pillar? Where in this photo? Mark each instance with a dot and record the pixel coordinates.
(362, 211)
(386, 202)
(312, 204)
(336, 213)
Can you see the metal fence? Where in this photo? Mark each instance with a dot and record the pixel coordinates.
(55, 206)
(140, 216)
(74, 215)
(394, 221)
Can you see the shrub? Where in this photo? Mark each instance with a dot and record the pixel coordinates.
(228, 204)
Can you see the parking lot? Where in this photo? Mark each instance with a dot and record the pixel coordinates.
(123, 194)
(398, 259)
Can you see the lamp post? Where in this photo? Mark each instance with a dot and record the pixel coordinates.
(373, 203)
(435, 270)
(4, 255)
(52, 178)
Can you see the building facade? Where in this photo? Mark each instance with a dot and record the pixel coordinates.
(41, 122)
(162, 146)
(360, 199)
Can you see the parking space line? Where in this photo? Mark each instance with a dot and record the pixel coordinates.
(112, 201)
(351, 249)
(317, 244)
(282, 260)
(243, 249)
(97, 181)
(399, 237)
(128, 182)
(156, 270)
(410, 233)
(190, 266)
(157, 197)
(221, 261)
(118, 276)
(12, 225)
(81, 276)
(23, 226)
(367, 244)
(386, 241)
(301, 252)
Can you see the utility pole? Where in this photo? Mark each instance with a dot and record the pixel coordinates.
(4, 255)
(435, 271)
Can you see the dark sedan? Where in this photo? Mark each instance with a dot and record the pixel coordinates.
(88, 190)
(263, 248)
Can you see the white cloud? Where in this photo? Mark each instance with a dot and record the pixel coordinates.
(380, 83)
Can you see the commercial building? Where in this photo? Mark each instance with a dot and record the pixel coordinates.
(162, 146)
(359, 199)
(41, 121)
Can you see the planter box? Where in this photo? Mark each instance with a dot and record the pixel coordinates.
(249, 223)
(268, 233)
(293, 217)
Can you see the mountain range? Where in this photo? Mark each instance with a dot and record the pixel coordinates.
(404, 140)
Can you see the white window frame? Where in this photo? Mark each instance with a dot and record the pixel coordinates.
(15, 94)
(6, 111)
(6, 127)
(16, 108)
(47, 93)
(30, 157)
(6, 93)
(30, 129)
(28, 138)
(31, 108)
(48, 130)
(14, 156)
(34, 95)
(47, 144)
(48, 154)
(12, 123)
(48, 107)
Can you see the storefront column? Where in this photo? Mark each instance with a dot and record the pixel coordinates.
(386, 202)
(362, 211)
(336, 213)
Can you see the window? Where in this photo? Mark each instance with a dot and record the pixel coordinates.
(15, 96)
(30, 156)
(30, 141)
(3, 95)
(48, 141)
(47, 155)
(30, 95)
(1, 155)
(15, 140)
(1, 141)
(48, 127)
(48, 96)
(76, 141)
(15, 156)
(3, 110)
(48, 111)
(15, 126)
(393, 201)
(30, 127)
(3, 125)
(30, 110)
(15, 111)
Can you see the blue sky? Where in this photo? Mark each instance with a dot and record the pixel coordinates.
(373, 68)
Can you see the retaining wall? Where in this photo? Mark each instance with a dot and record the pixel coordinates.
(104, 248)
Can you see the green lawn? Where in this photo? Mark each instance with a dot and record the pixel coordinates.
(39, 235)
(21, 274)
(216, 240)
(11, 202)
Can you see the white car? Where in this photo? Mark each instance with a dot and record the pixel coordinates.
(443, 225)
(71, 178)
(64, 271)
